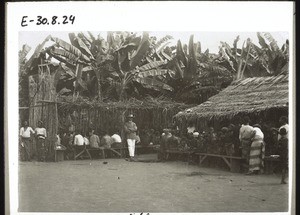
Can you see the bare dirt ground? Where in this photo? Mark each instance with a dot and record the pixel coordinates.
(121, 186)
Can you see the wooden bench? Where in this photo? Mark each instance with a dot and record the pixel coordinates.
(233, 162)
(83, 151)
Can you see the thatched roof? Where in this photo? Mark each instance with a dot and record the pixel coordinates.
(147, 103)
(243, 96)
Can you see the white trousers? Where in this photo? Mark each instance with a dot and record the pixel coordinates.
(131, 147)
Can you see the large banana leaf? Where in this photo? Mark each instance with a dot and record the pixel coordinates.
(198, 48)
(273, 42)
(154, 64)
(78, 43)
(87, 68)
(224, 50)
(153, 83)
(70, 48)
(124, 50)
(192, 52)
(64, 53)
(179, 72)
(91, 36)
(113, 42)
(235, 46)
(169, 58)
(60, 58)
(192, 62)
(214, 70)
(78, 74)
(180, 54)
(262, 41)
(141, 51)
(127, 47)
(152, 72)
(67, 70)
(161, 48)
(185, 49)
(159, 44)
(85, 39)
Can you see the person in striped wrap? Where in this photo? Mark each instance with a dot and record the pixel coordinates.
(257, 151)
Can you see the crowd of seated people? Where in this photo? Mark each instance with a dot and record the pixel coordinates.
(74, 141)
(223, 141)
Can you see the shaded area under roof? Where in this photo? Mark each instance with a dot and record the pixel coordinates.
(243, 96)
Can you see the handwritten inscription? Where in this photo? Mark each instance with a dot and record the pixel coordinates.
(54, 20)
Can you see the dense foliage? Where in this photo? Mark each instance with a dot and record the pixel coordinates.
(127, 65)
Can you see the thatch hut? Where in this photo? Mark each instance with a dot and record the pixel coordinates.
(261, 98)
(109, 117)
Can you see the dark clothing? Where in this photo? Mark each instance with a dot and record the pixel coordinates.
(41, 149)
(130, 129)
(212, 145)
(194, 144)
(164, 141)
(173, 142)
(26, 148)
(235, 140)
(246, 145)
(283, 145)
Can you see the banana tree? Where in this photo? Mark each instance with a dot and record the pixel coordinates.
(74, 57)
(273, 59)
(252, 60)
(196, 74)
(137, 64)
(23, 78)
(238, 60)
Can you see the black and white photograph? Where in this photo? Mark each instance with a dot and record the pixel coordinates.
(133, 120)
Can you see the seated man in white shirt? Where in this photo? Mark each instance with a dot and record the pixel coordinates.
(79, 144)
(116, 141)
(78, 140)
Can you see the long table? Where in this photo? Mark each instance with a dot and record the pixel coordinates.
(233, 162)
(120, 151)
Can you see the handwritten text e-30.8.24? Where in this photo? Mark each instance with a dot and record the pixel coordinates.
(54, 20)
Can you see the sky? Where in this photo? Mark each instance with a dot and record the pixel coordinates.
(208, 40)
